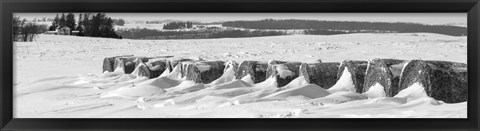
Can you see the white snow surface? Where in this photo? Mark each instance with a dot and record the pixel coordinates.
(61, 77)
(283, 72)
(375, 91)
(415, 91)
(345, 83)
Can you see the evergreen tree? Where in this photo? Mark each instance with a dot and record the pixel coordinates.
(17, 24)
(95, 25)
(99, 25)
(108, 30)
(85, 20)
(86, 25)
(55, 23)
(70, 21)
(80, 25)
(62, 20)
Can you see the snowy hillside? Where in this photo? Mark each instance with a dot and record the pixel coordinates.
(65, 72)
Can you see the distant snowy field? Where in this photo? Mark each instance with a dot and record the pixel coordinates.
(54, 74)
(140, 26)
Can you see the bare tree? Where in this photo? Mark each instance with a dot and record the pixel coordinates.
(16, 26)
(29, 31)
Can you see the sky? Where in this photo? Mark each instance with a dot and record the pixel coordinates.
(423, 18)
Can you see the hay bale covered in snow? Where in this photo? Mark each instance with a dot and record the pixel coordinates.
(441, 80)
(460, 68)
(189, 71)
(139, 60)
(202, 71)
(256, 69)
(270, 67)
(285, 73)
(172, 62)
(152, 66)
(210, 70)
(357, 69)
(321, 74)
(109, 63)
(130, 62)
(382, 77)
(233, 64)
(156, 67)
(141, 71)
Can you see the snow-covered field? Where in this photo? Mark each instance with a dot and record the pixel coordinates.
(140, 26)
(61, 76)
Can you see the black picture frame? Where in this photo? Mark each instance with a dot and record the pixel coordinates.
(246, 6)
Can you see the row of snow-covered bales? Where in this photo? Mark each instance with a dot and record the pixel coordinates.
(442, 80)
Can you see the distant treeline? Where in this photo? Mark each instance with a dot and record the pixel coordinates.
(119, 22)
(93, 25)
(336, 32)
(177, 25)
(196, 34)
(323, 32)
(348, 26)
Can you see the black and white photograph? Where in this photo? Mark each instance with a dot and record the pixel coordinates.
(239, 65)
